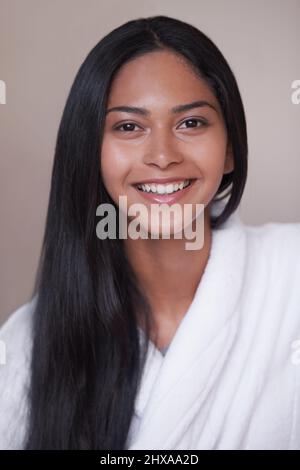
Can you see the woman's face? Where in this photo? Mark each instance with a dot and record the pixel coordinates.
(156, 141)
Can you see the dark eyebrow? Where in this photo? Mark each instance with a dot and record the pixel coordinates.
(177, 109)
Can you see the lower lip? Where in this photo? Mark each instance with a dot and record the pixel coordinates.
(166, 198)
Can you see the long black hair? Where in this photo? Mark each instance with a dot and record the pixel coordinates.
(87, 357)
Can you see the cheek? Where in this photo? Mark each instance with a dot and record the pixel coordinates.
(209, 157)
(211, 153)
(115, 165)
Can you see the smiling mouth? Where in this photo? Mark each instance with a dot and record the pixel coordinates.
(164, 189)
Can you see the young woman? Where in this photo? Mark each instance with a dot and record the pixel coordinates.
(140, 343)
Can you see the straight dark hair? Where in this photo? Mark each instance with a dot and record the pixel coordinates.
(87, 357)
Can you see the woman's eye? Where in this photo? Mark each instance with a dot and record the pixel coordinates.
(193, 122)
(128, 126)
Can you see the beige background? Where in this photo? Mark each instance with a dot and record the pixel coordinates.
(42, 45)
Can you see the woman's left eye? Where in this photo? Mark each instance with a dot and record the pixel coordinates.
(194, 122)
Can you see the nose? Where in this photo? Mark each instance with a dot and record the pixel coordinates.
(162, 150)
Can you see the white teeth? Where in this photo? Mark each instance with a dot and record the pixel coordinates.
(160, 189)
(163, 188)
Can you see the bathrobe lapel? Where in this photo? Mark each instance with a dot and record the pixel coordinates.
(174, 387)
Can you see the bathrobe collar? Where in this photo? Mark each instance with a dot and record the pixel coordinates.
(202, 341)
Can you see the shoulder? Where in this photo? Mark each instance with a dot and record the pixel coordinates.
(15, 345)
(18, 323)
(272, 277)
(16, 337)
(272, 280)
(271, 324)
(276, 243)
(275, 232)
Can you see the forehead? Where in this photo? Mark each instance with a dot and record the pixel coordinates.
(160, 76)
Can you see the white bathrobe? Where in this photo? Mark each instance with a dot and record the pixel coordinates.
(230, 378)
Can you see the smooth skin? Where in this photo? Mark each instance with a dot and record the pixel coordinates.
(165, 144)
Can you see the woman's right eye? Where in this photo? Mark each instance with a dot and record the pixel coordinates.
(129, 126)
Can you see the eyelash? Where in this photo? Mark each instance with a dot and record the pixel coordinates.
(202, 121)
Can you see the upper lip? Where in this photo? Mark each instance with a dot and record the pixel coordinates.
(163, 180)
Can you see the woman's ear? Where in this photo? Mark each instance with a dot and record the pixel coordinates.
(229, 163)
